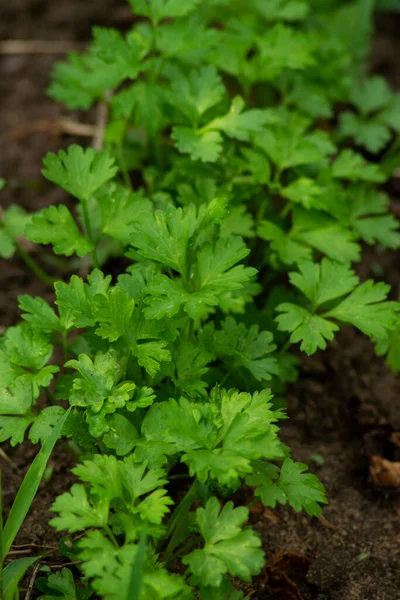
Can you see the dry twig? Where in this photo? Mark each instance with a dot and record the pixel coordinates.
(52, 126)
(38, 47)
(32, 581)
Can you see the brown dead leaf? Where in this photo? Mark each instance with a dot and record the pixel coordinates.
(278, 581)
(385, 473)
(325, 522)
(257, 509)
(395, 438)
(271, 515)
(260, 511)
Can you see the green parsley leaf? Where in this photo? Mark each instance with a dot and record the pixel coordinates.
(371, 95)
(44, 423)
(228, 548)
(239, 124)
(370, 219)
(191, 364)
(38, 313)
(311, 330)
(283, 10)
(27, 348)
(303, 191)
(371, 134)
(323, 282)
(351, 165)
(196, 94)
(113, 312)
(55, 225)
(13, 429)
(121, 435)
(163, 236)
(80, 172)
(110, 570)
(301, 490)
(74, 299)
(216, 270)
(143, 102)
(281, 47)
(157, 10)
(288, 249)
(77, 512)
(206, 147)
(16, 398)
(61, 585)
(367, 309)
(242, 347)
(120, 209)
(150, 355)
(12, 225)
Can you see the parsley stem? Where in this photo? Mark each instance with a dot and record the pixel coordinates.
(89, 231)
(111, 535)
(225, 377)
(253, 502)
(183, 550)
(34, 266)
(285, 346)
(123, 167)
(64, 339)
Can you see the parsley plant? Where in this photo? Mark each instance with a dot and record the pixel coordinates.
(223, 174)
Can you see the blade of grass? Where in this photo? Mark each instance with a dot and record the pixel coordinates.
(13, 574)
(29, 487)
(137, 572)
(178, 525)
(1, 535)
(363, 27)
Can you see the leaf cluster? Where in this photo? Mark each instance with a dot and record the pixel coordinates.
(223, 174)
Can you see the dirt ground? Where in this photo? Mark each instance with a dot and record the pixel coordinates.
(343, 410)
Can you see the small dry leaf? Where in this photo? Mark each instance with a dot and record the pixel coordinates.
(385, 473)
(395, 438)
(271, 515)
(325, 522)
(257, 509)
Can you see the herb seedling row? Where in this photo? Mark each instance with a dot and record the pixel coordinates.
(242, 205)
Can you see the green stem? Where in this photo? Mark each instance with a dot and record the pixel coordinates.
(64, 340)
(253, 502)
(183, 476)
(285, 346)
(286, 209)
(89, 232)
(111, 535)
(33, 265)
(189, 544)
(50, 398)
(261, 210)
(124, 170)
(225, 377)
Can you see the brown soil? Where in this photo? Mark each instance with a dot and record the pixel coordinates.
(343, 410)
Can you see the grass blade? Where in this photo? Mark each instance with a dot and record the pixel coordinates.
(137, 572)
(1, 535)
(29, 487)
(13, 574)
